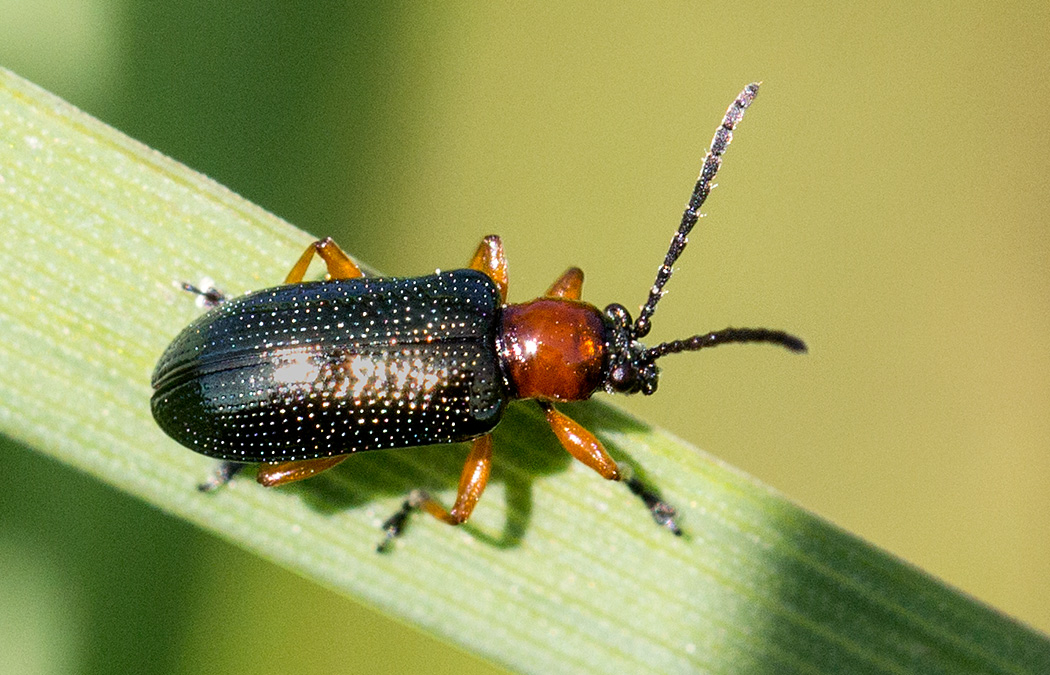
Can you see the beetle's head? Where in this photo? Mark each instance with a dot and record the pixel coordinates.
(630, 370)
(632, 366)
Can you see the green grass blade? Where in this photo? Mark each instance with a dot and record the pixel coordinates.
(558, 571)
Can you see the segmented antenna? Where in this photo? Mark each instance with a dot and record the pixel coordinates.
(712, 162)
(725, 336)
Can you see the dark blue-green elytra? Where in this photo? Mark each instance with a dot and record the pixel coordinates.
(326, 368)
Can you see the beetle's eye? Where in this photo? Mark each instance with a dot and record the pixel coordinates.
(624, 378)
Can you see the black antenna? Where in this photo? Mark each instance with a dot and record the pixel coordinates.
(712, 162)
(726, 336)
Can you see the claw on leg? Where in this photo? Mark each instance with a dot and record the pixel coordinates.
(224, 473)
(207, 296)
(472, 482)
(585, 447)
(663, 513)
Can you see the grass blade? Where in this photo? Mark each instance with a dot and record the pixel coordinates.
(558, 571)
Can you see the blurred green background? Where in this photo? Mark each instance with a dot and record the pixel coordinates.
(886, 198)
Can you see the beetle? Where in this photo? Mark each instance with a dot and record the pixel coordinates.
(298, 377)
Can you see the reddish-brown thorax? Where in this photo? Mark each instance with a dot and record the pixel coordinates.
(554, 349)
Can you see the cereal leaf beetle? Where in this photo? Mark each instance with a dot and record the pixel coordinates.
(298, 377)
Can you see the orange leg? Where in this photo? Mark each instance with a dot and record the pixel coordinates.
(340, 266)
(490, 259)
(582, 445)
(472, 482)
(568, 286)
(279, 473)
